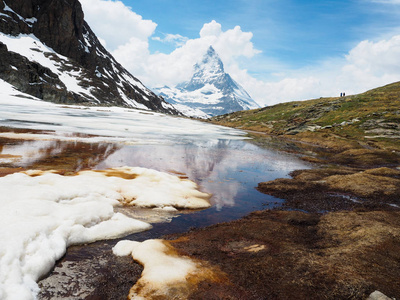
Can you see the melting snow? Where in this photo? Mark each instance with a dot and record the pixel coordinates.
(166, 274)
(44, 213)
(160, 268)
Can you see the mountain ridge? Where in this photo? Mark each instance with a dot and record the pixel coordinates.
(49, 51)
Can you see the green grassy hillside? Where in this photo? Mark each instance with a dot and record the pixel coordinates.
(355, 143)
(371, 118)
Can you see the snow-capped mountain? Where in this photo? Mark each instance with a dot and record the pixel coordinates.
(47, 50)
(210, 91)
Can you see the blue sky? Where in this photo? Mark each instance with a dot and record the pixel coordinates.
(296, 32)
(290, 40)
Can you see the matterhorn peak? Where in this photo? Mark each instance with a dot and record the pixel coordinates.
(208, 70)
(210, 91)
(210, 63)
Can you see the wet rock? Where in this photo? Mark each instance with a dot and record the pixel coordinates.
(377, 295)
(90, 272)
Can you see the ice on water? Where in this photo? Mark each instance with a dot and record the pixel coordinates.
(108, 124)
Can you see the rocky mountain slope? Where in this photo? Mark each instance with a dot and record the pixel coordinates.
(48, 50)
(210, 91)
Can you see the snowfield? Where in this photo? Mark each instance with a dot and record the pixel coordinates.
(34, 50)
(104, 124)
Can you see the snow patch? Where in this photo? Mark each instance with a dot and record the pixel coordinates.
(87, 44)
(98, 73)
(131, 102)
(166, 275)
(31, 20)
(28, 21)
(44, 213)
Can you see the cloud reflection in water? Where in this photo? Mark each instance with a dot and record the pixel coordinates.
(221, 167)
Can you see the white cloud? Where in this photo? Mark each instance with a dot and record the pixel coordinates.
(229, 44)
(176, 39)
(116, 23)
(211, 29)
(376, 58)
(368, 65)
(133, 55)
(169, 69)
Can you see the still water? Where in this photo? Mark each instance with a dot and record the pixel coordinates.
(229, 169)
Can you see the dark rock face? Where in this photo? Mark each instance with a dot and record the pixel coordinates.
(60, 25)
(27, 78)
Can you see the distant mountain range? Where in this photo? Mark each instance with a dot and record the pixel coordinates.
(210, 91)
(47, 50)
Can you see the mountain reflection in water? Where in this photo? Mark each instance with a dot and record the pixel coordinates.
(226, 168)
(229, 169)
(53, 154)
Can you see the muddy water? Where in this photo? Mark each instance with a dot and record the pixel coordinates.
(228, 169)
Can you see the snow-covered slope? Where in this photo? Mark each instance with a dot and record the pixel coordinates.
(210, 91)
(47, 50)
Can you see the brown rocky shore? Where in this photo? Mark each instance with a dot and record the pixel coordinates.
(337, 235)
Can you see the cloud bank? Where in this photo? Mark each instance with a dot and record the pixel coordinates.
(369, 64)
